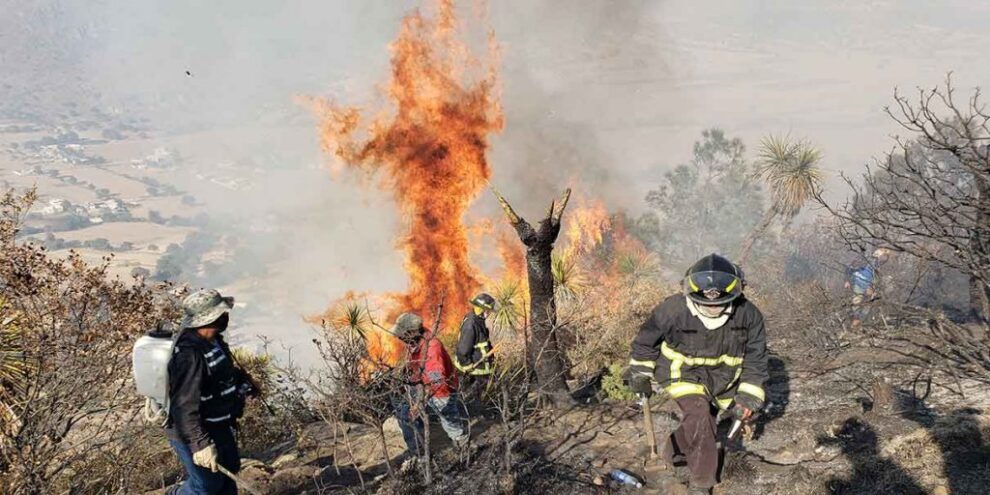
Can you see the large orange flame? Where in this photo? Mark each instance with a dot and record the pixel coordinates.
(594, 243)
(429, 152)
(586, 228)
(600, 252)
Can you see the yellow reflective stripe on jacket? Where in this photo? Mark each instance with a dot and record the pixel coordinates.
(649, 364)
(755, 391)
(675, 369)
(724, 404)
(484, 368)
(735, 378)
(681, 389)
(487, 370)
(675, 356)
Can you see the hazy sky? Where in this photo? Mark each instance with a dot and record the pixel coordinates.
(609, 93)
(635, 80)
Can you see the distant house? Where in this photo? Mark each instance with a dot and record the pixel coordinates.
(161, 158)
(234, 184)
(110, 205)
(72, 154)
(56, 206)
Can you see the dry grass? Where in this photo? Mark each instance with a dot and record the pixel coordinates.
(599, 324)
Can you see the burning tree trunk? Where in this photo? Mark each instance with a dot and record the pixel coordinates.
(544, 351)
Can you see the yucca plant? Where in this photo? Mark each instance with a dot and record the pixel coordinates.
(568, 279)
(509, 301)
(354, 318)
(13, 366)
(638, 265)
(790, 170)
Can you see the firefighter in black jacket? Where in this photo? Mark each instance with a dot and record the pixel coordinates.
(474, 349)
(206, 397)
(707, 348)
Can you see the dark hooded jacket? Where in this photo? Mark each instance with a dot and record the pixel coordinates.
(204, 389)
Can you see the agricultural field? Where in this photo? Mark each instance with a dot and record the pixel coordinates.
(99, 196)
(143, 235)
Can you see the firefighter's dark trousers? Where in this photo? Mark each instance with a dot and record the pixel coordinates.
(695, 439)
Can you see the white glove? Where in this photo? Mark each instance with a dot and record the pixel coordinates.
(207, 458)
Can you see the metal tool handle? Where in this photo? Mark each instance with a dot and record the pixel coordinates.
(240, 482)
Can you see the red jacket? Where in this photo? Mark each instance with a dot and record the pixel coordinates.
(430, 364)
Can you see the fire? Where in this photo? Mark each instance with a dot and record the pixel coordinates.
(351, 315)
(598, 254)
(586, 228)
(429, 153)
(513, 257)
(595, 256)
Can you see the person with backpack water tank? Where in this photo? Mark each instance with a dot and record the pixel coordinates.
(206, 394)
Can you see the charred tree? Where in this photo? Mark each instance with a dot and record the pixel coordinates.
(544, 351)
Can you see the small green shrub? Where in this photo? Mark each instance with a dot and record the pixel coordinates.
(612, 386)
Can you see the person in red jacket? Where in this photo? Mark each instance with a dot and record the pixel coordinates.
(432, 382)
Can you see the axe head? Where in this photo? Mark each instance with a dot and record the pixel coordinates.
(736, 425)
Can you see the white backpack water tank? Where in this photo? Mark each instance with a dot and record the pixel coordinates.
(151, 356)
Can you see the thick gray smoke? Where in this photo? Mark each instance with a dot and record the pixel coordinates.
(599, 94)
(565, 74)
(216, 84)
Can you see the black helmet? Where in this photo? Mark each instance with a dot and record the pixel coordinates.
(484, 301)
(713, 280)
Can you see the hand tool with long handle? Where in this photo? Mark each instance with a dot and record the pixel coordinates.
(651, 438)
(484, 356)
(240, 482)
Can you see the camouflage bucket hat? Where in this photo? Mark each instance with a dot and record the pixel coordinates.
(204, 307)
(405, 324)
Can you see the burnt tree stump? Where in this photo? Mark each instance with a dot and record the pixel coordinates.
(544, 352)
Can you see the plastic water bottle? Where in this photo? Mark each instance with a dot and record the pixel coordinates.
(625, 478)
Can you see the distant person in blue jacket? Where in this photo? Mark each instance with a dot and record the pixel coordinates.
(863, 283)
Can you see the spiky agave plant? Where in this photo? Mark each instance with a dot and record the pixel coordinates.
(568, 279)
(638, 265)
(790, 170)
(509, 302)
(354, 318)
(13, 365)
